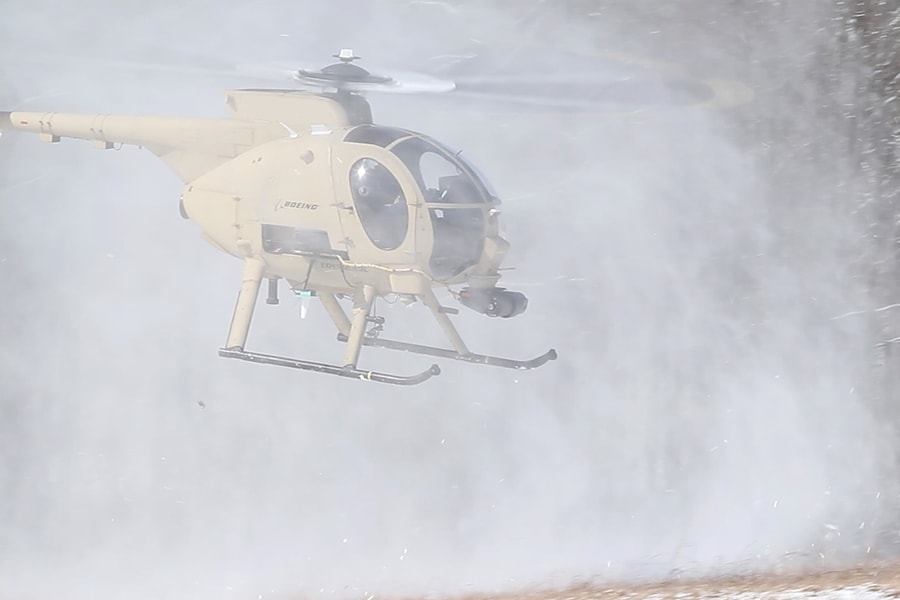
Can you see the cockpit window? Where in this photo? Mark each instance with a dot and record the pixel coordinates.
(456, 202)
(458, 240)
(380, 203)
(474, 170)
(375, 134)
(432, 166)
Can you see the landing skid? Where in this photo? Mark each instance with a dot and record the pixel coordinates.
(480, 359)
(352, 331)
(349, 372)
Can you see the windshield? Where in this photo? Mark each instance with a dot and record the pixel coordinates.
(456, 200)
(473, 170)
(430, 163)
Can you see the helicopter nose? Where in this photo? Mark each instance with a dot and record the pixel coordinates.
(495, 249)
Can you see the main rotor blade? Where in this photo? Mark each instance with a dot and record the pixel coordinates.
(491, 82)
(547, 79)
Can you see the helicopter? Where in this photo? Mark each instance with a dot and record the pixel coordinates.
(301, 185)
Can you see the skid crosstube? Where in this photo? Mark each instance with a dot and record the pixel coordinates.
(480, 359)
(348, 372)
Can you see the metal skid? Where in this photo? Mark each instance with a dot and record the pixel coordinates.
(353, 373)
(352, 331)
(480, 359)
(459, 351)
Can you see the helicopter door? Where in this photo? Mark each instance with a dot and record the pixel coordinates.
(380, 204)
(457, 204)
(247, 222)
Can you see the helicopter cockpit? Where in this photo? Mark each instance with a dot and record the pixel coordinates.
(456, 197)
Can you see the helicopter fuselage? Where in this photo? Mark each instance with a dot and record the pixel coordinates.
(330, 209)
(304, 187)
(284, 178)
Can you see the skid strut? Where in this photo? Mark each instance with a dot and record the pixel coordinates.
(353, 330)
(459, 351)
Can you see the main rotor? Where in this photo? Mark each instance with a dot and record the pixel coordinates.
(344, 76)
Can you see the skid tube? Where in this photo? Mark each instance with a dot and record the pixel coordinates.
(481, 359)
(349, 372)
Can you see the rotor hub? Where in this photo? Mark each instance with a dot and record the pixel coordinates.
(343, 75)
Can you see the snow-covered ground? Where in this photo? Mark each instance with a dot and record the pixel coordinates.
(865, 592)
(861, 583)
